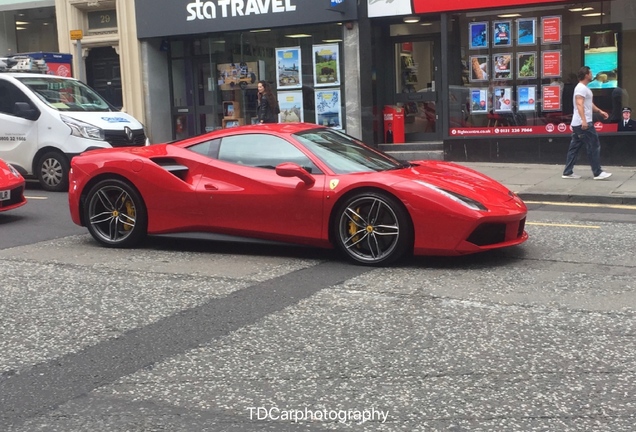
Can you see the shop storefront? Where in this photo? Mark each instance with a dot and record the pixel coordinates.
(497, 84)
(27, 26)
(205, 58)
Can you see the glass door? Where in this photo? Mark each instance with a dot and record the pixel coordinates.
(196, 93)
(417, 78)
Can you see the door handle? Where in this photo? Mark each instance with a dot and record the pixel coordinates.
(210, 187)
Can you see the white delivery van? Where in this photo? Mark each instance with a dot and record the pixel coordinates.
(45, 120)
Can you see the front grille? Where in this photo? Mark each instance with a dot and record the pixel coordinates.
(488, 234)
(119, 138)
(16, 197)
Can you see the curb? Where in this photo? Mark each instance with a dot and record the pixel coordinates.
(584, 199)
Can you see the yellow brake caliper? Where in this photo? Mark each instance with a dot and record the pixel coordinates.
(130, 211)
(353, 228)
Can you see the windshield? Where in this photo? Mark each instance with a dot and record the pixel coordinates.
(66, 95)
(344, 154)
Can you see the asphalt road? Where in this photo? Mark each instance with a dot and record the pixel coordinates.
(194, 335)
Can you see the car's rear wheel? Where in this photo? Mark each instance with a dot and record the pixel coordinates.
(372, 228)
(115, 214)
(52, 171)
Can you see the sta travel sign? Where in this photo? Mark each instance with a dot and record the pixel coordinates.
(182, 17)
(381, 8)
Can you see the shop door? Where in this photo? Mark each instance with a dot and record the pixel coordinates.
(417, 81)
(196, 100)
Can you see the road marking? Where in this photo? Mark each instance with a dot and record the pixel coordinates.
(569, 204)
(563, 225)
(36, 197)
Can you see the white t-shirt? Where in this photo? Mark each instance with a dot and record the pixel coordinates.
(582, 90)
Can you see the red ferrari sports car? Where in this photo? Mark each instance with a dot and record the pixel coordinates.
(11, 187)
(295, 183)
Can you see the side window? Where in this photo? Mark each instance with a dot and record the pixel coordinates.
(9, 95)
(6, 100)
(208, 148)
(262, 151)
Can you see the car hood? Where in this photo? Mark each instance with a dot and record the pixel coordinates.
(458, 179)
(106, 120)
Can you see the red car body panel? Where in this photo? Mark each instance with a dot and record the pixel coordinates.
(227, 198)
(11, 185)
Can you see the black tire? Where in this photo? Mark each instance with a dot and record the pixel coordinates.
(372, 228)
(52, 170)
(115, 214)
(242, 85)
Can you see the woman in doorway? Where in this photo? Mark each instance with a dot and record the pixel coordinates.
(267, 104)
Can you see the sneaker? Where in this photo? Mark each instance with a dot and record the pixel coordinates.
(603, 175)
(571, 176)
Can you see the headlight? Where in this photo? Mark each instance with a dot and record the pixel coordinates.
(468, 202)
(82, 129)
(14, 171)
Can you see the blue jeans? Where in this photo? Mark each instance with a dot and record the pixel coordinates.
(589, 137)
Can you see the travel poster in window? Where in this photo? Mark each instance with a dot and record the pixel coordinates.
(326, 62)
(478, 35)
(502, 65)
(526, 31)
(551, 64)
(479, 68)
(291, 106)
(526, 65)
(551, 30)
(478, 101)
(328, 108)
(288, 68)
(502, 34)
(527, 98)
(502, 99)
(551, 97)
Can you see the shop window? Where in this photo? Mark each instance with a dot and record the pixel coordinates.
(518, 73)
(212, 74)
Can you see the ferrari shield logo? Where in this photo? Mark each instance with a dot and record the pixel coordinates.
(333, 184)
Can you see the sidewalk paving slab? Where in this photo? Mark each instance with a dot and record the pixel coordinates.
(543, 182)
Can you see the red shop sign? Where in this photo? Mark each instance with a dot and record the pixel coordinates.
(425, 6)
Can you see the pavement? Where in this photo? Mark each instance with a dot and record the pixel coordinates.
(543, 182)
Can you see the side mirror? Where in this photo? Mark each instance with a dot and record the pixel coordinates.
(289, 169)
(24, 110)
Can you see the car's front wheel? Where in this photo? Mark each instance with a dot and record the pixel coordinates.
(52, 171)
(115, 214)
(372, 228)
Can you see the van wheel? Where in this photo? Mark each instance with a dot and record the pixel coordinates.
(52, 171)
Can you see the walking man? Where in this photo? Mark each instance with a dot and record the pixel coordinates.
(583, 131)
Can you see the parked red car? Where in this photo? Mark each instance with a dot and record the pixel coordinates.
(293, 182)
(11, 187)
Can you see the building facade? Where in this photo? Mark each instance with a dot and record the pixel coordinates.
(27, 26)
(491, 80)
(108, 55)
(203, 61)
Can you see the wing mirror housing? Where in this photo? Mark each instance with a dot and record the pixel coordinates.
(289, 169)
(24, 110)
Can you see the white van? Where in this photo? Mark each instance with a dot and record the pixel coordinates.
(45, 120)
